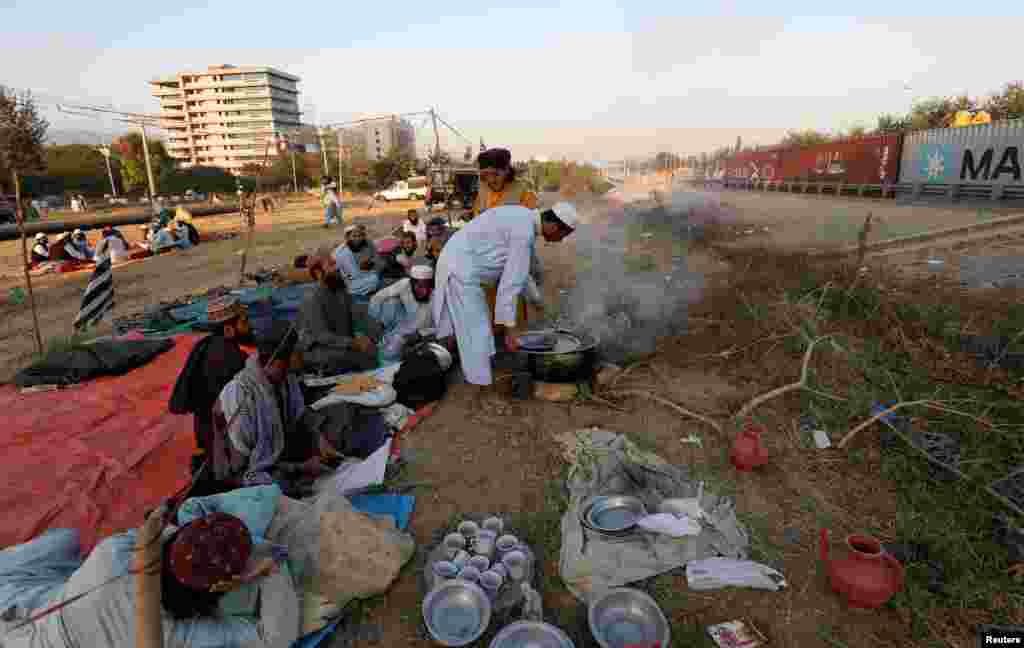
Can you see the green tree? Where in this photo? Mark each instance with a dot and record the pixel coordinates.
(197, 178)
(805, 138)
(1009, 103)
(130, 151)
(22, 134)
(890, 124)
(77, 167)
(392, 168)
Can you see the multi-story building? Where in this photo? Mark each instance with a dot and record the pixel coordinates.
(225, 116)
(384, 135)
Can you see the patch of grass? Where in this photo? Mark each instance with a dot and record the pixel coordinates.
(637, 264)
(691, 635)
(67, 342)
(762, 549)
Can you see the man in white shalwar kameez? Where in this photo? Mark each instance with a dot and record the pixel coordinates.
(496, 246)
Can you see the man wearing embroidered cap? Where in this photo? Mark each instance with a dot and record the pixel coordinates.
(212, 363)
(494, 247)
(498, 183)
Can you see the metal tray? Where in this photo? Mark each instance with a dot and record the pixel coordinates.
(612, 514)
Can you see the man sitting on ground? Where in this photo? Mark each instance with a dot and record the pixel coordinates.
(210, 366)
(357, 261)
(390, 269)
(259, 421)
(408, 250)
(326, 325)
(404, 309)
(415, 225)
(113, 243)
(77, 247)
(41, 249)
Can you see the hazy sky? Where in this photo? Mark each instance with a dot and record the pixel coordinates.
(591, 78)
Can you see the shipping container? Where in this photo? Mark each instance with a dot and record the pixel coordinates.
(764, 164)
(871, 160)
(989, 154)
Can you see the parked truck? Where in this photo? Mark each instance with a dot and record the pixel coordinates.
(411, 189)
(453, 187)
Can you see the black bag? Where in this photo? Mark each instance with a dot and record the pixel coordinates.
(420, 379)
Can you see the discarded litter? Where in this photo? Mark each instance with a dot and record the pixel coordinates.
(17, 296)
(821, 439)
(693, 439)
(716, 573)
(736, 634)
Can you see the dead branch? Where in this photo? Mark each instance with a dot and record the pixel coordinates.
(785, 389)
(667, 403)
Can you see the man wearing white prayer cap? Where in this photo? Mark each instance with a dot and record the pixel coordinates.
(496, 246)
(404, 308)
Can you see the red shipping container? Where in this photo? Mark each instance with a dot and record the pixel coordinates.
(765, 164)
(864, 160)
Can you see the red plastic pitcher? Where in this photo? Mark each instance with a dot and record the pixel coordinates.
(868, 576)
(748, 452)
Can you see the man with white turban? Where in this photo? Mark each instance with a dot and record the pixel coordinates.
(496, 246)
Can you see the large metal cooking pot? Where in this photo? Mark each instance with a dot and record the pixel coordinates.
(571, 360)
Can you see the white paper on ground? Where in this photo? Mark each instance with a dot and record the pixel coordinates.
(715, 573)
(368, 472)
(670, 525)
(821, 439)
(682, 507)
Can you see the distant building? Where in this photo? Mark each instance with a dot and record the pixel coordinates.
(382, 136)
(224, 116)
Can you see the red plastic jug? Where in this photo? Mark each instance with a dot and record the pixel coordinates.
(868, 576)
(748, 452)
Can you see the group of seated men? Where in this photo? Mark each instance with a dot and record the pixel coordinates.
(251, 422)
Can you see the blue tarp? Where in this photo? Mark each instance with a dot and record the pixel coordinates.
(265, 305)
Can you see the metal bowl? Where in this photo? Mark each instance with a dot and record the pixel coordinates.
(456, 612)
(624, 616)
(612, 513)
(443, 357)
(531, 634)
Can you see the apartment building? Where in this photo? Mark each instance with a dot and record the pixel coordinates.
(225, 116)
(382, 136)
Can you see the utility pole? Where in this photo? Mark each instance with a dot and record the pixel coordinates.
(149, 165)
(323, 149)
(437, 137)
(105, 151)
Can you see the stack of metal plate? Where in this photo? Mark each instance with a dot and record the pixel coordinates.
(612, 516)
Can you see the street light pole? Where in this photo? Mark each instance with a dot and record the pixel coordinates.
(149, 165)
(105, 151)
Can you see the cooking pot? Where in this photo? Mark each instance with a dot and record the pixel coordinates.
(572, 358)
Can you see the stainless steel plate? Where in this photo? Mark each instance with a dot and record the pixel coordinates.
(564, 342)
(530, 634)
(456, 612)
(612, 513)
(624, 616)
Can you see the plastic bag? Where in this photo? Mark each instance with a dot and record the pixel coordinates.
(716, 573)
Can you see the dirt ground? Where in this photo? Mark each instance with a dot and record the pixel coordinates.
(503, 457)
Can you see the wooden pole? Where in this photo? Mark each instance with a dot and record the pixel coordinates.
(20, 217)
(148, 588)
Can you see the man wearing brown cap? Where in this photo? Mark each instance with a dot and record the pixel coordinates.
(498, 184)
(210, 366)
(499, 187)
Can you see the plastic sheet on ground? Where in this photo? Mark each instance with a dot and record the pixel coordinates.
(605, 463)
(95, 457)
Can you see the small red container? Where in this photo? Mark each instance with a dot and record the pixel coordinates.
(868, 576)
(748, 451)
